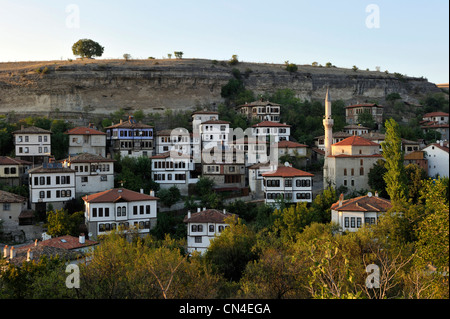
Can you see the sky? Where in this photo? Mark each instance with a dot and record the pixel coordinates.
(408, 37)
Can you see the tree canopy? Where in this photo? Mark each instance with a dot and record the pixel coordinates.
(87, 48)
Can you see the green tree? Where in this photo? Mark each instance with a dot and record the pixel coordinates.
(169, 196)
(232, 250)
(87, 48)
(376, 180)
(395, 177)
(60, 223)
(178, 54)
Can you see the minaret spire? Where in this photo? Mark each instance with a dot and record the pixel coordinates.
(328, 126)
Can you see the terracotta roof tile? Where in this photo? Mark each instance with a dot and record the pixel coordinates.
(364, 204)
(6, 197)
(287, 171)
(6, 160)
(84, 131)
(356, 140)
(208, 216)
(290, 144)
(270, 124)
(117, 194)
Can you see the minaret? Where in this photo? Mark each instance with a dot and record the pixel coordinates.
(328, 125)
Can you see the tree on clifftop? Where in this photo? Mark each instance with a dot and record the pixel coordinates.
(87, 48)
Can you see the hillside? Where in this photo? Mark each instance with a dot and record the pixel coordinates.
(104, 86)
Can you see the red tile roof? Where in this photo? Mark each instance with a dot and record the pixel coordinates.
(172, 154)
(287, 171)
(208, 216)
(270, 124)
(215, 122)
(290, 144)
(66, 242)
(431, 114)
(364, 204)
(6, 160)
(84, 131)
(117, 194)
(7, 197)
(356, 140)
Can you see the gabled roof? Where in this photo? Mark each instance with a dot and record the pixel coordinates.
(289, 144)
(66, 242)
(356, 140)
(205, 112)
(287, 171)
(431, 114)
(84, 131)
(130, 123)
(208, 216)
(6, 160)
(32, 130)
(88, 158)
(7, 197)
(170, 154)
(444, 148)
(270, 124)
(215, 122)
(364, 204)
(258, 103)
(117, 194)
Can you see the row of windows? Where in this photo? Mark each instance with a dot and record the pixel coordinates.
(164, 164)
(264, 110)
(288, 183)
(58, 194)
(176, 139)
(355, 222)
(199, 228)
(27, 138)
(47, 180)
(162, 177)
(287, 196)
(125, 225)
(10, 170)
(352, 171)
(211, 128)
(121, 211)
(93, 168)
(128, 144)
(27, 150)
(274, 130)
(130, 133)
(85, 179)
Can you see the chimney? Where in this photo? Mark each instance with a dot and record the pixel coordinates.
(224, 211)
(341, 199)
(189, 214)
(204, 208)
(198, 209)
(152, 193)
(81, 239)
(142, 191)
(36, 242)
(5, 251)
(12, 253)
(29, 254)
(441, 143)
(376, 194)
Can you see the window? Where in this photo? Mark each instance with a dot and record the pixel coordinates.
(358, 222)
(211, 228)
(288, 183)
(198, 239)
(361, 171)
(6, 206)
(107, 212)
(141, 210)
(119, 211)
(346, 222)
(352, 222)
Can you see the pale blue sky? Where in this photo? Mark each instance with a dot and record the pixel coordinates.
(412, 38)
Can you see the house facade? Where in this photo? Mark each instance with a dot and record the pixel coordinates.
(51, 183)
(93, 173)
(119, 208)
(178, 140)
(130, 138)
(354, 213)
(291, 184)
(12, 170)
(32, 144)
(261, 110)
(174, 169)
(272, 131)
(86, 140)
(437, 156)
(352, 112)
(203, 226)
(214, 133)
(350, 162)
(11, 206)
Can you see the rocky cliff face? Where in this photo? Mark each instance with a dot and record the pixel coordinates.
(103, 86)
